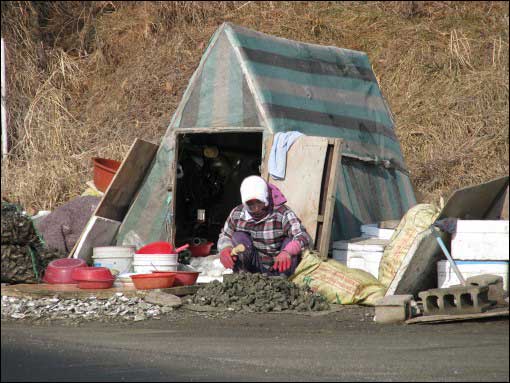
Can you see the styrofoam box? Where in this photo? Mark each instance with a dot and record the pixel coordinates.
(481, 240)
(362, 244)
(446, 276)
(372, 231)
(368, 261)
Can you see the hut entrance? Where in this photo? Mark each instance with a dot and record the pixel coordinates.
(209, 170)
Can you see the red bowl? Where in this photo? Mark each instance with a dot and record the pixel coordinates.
(92, 274)
(61, 270)
(161, 247)
(185, 278)
(202, 250)
(153, 281)
(104, 170)
(104, 284)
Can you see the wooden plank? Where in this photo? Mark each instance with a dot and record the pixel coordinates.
(303, 176)
(98, 232)
(498, 312)
(330, 199)
(418, 271)
(267, 143)
(121, 191)
(115, 203)
(216, 130)
(500, 208)
(73, 292)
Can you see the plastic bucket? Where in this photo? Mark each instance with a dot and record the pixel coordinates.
(117, 258)
(146, 269)
(155, 258)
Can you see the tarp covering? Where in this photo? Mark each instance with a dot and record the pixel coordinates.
(249, 79)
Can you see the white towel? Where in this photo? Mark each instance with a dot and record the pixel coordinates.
(278, 156)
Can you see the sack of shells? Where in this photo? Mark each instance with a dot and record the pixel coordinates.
(24, 255)
(16, 228)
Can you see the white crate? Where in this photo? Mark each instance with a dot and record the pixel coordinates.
(372, 231)
(481, 240)
(362, 244)
(446, 277)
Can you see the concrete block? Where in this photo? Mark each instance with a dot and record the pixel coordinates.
(455, 300)
(393, 308)
(495, 283)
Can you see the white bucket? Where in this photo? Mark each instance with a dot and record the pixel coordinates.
(446, 277)
(146, 269)
(158, 258)
(117, 258)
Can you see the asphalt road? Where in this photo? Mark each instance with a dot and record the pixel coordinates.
(344, 346)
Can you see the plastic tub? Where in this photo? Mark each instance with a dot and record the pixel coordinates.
(186, 278)
(161, 247)
(104, 170)
(104, 284)
(153, 281)
(117, 258)
(202, 250)
(61, 270)
(92, 274)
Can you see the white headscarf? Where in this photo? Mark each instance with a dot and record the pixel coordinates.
(254, 187)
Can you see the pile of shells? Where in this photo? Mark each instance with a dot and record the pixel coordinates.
(116, 308)
(17, 228)
(22, 251)
(258, 293)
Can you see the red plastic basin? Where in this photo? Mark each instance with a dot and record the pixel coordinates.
(104, 170)
(153, 281)
(185, 278)
(61, 270)
(92, 274)
(104, 284)
(202, 250)
(161, 247)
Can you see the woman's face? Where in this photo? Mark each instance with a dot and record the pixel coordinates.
(256, 207)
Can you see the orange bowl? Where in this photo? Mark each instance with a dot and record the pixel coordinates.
(185, 278)
(153, 281)
(104, 170)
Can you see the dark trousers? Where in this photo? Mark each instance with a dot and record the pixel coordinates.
(249, 260)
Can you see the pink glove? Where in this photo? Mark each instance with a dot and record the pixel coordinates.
(282, 262)
(226, 258)
(293, 248)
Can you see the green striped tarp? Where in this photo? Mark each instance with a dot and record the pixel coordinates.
(249, 79)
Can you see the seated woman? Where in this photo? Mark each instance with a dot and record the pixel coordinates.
(270, 231)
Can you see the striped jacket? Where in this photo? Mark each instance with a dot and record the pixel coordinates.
(267, 234)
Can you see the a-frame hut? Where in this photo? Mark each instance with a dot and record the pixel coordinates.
(247, 87)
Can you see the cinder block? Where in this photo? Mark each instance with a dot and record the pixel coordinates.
(456, 300)
(495, 283)
(393, 308)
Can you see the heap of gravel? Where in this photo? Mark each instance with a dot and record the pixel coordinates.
(258, 293)
(116, 308)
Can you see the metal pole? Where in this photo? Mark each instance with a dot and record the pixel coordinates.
(5, 146)
(449, 257)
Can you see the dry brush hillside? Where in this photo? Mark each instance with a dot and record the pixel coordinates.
(86, 78)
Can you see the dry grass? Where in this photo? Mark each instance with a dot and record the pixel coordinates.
(86, 78)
